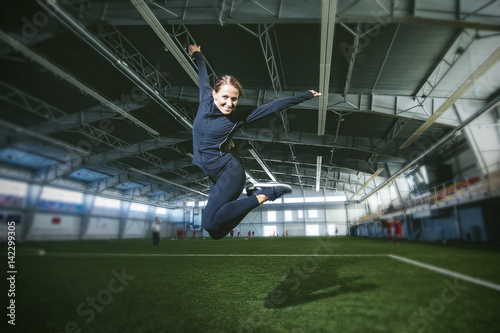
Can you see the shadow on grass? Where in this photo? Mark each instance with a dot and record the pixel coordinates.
(311, 281)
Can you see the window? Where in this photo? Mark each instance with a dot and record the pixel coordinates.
(137, 207)
(269, 230)
(373, 203)
(417, 180)
(300, 214)
(294, 200)
(12, 193)
(288, 215)
(10, 187)
(107, 203)
(271, 216)
(331, 229)
(315, 199)
(312, 230)
(161, 211)
(193, 204)
(423, 170)
(58, 195)
(336, 198)
(57, 200)
(312, 213)
(392, 190)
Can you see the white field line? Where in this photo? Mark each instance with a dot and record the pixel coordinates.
(30, 251)
(483, 283)
(205, 255)
(460, 276)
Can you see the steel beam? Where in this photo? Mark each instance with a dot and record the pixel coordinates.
(462, 43)
(262, 164)
(28, 102)
(50, 173)
(157, 27)
(328, 13)
(389, 105)
(183, 38)
(161, 180)
(473, 14)
(363, 144)
(87, 116)
(72, 80)
(115, 59)
(466, 85)
(15, 173)
(450, 136)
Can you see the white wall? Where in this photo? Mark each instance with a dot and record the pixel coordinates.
(333, 214)
(136, 229)
(43, 227)
(337, 215)
(105, 219)
(103, 228)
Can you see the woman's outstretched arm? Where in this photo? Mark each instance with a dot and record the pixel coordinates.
(204, 81)
(280, 105)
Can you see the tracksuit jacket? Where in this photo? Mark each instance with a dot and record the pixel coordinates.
(213, 131)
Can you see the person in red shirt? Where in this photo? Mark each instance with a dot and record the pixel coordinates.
(249, 233)
(232, 233)
(388, 225)
(398, 225)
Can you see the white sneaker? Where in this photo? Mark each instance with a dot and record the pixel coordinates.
(272, 190)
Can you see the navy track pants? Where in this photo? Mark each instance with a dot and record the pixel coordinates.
(224, 211)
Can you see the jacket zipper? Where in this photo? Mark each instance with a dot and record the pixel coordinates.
(227, 136)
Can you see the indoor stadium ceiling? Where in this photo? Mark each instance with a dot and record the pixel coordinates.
(100, 96)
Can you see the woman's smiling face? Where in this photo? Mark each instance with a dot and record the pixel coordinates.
(226, 98)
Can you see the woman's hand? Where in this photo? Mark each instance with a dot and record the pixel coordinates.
(194, 48)
(316, 94)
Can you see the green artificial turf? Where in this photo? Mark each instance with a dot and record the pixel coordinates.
(312, 284)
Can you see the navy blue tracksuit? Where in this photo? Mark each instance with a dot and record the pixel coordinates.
(212, 134)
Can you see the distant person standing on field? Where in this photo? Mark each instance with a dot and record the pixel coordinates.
(155, 231)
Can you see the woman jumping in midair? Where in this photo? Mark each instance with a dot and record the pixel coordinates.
(215, 124)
